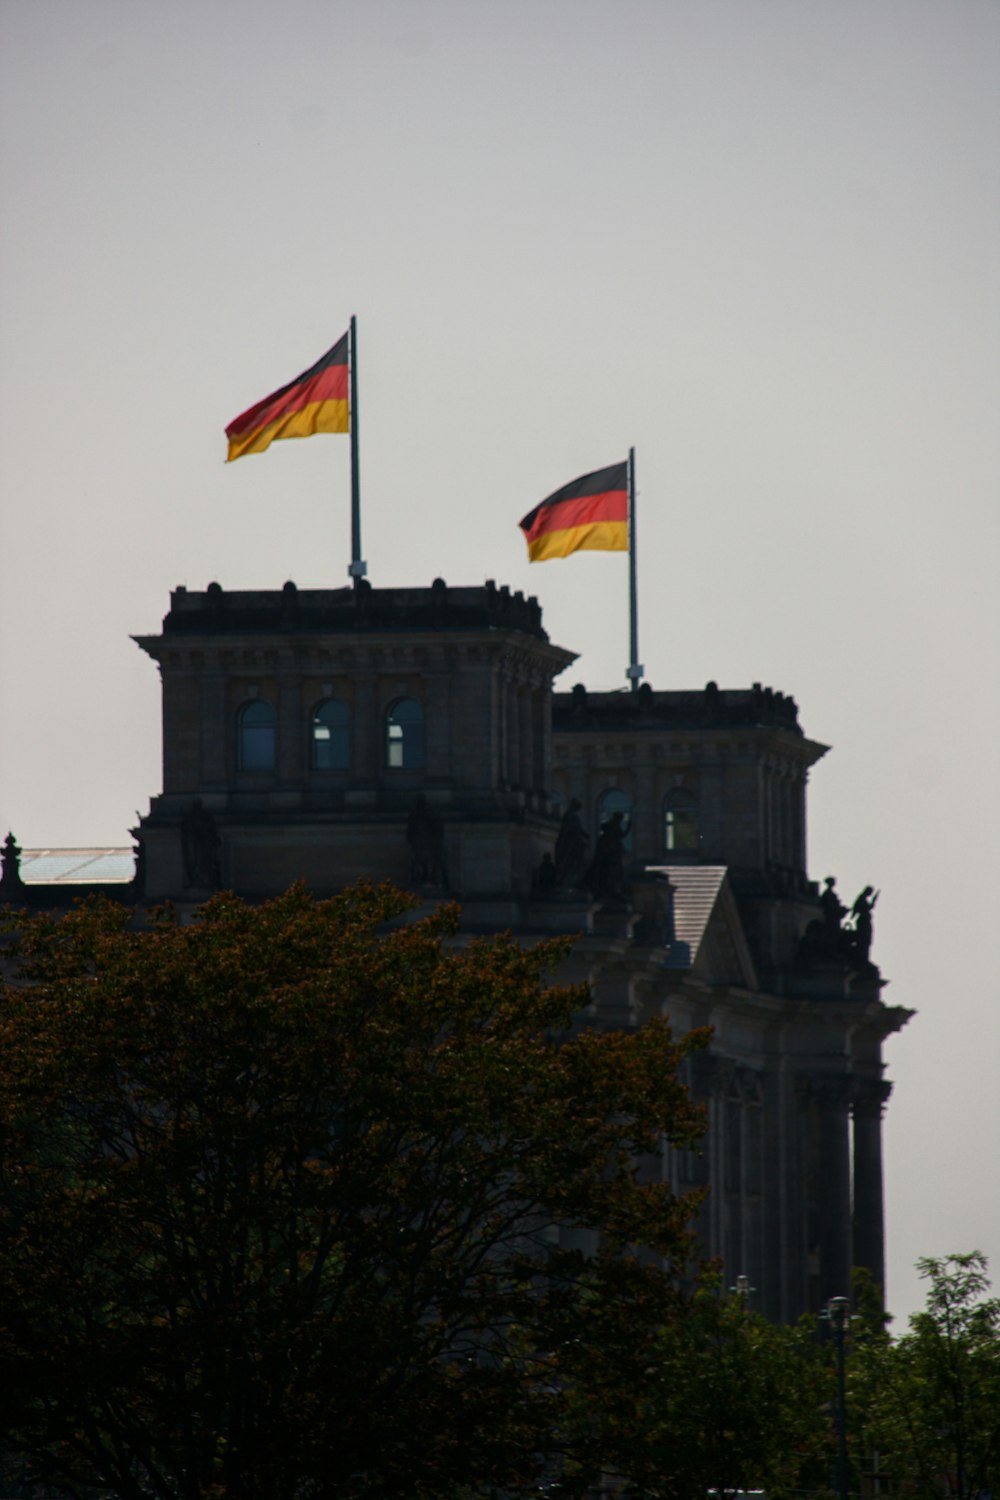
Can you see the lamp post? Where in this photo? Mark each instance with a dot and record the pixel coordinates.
(838, 1311)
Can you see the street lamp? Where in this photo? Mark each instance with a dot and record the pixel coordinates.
(838, 1311)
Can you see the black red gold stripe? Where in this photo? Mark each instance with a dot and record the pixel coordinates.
(315, 401)
(590, 513)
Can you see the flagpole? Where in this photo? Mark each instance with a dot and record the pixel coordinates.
(635, 671)
(358, 569)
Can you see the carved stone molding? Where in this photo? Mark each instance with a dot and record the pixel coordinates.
(832, 1092)
(871, 1095)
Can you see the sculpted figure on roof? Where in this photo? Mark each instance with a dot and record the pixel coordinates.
(607, 873)
(200, 846)
(571, 847)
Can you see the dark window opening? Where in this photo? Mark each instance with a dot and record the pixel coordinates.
(256, 738)
(331, 736)
(404, 747)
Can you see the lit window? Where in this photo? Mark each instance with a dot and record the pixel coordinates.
(616, 801)
(331, 736)
(680, 822)
(255, 743)
(404, 746)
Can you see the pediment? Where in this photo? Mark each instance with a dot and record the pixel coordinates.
(708, 940)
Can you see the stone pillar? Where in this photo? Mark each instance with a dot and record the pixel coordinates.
(513, 734)
(539, 738)
(732, 1183)
(216, 733)
(760, 825)
(784, 815)
(833, 1095)
(752, 1184)
(368, 726)
(438, 728)
(545, 710)
(778, 1167)
(870, 1097)
(710, 819)
(647, 831)
(495, 727)
(770, 813)
(526, 738)
(799, 819)
(181, 729)
(291, 732)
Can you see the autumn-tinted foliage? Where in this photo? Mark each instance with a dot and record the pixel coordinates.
(281, 1202)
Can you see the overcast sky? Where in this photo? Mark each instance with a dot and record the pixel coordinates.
(756, 239)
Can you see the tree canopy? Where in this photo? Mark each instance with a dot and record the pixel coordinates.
(928, 1403)
(733, 1403)
(314, 1199)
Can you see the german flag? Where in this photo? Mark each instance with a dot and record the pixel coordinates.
(591, 513)
(316, 401)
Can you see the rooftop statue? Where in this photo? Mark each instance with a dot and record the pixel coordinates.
(606, 876)
(861, 911)
(834, 912)
(425, 836)
(571, 847)
(200, 846)
(10, 866)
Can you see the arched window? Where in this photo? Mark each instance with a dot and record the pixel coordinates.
(255, 739)
(614, 800)
(331, 736)
(680, 822)
(404, 735)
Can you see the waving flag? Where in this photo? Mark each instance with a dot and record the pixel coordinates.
(316, 401)
(590, 513)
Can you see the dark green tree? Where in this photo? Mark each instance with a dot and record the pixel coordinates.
(281, 1194)
(928, 1404)
(731, 1402)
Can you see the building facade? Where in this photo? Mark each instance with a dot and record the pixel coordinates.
(415, 735)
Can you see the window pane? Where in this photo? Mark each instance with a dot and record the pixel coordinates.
(331, 737)
(405, 735)
(256, 737)
(680, 822)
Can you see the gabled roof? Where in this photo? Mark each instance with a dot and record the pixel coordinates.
(708, 936)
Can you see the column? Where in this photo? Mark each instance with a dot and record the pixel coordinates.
(833, 1096)
(526, 738)
(513, 735)
(545, 710)
(291, 730)
(216, 733)
(710, 820)
(799, 819)
(182, 728)
(870, 1097)
(539, 741)
(438, 728)
(368, 729)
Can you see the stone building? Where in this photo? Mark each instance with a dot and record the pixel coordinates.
(415, 735)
